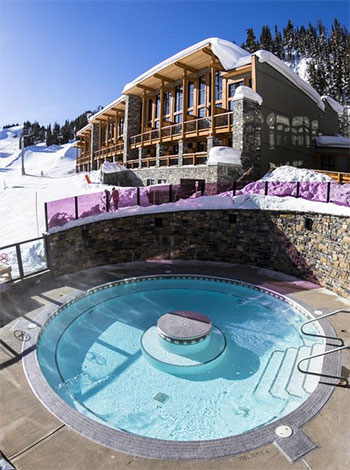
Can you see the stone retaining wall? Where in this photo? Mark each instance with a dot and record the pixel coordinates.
(314, 247)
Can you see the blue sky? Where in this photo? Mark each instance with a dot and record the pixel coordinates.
(60, 58)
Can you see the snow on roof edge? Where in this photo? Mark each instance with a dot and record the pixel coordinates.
(280, 66)
(337, 107)
(83, 128)
(108, 106)
(222, 48)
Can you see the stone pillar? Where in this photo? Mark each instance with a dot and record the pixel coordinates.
(246, 134)
(159, 152)
(212, 141)
(95, 135)
(142, 153)
(183, 148)
(132, 125)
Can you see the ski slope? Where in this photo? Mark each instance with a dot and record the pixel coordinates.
(22, 197)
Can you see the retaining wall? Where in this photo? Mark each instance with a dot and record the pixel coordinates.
(315, 247)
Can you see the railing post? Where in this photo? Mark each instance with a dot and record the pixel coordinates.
(202, 188)
(329, 191)
(76, 207)
(170, 193)
(19, 260)
(46, 220)
(298, 189)
(138, 195)
(234, 188)
(266, 188)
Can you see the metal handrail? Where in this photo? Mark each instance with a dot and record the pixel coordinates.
(320, 318)
(319, 374)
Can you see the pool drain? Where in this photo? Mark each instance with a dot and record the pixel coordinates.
(283, 431)
(161, 397)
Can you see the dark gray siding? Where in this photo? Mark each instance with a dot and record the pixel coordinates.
(290, 120)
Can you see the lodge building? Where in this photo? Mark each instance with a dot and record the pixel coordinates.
(212, 94)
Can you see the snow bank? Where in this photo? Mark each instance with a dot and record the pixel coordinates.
(292, 174)
(246, 92)
(333, 141)
(109, 167)
(225, 155)
(228, 53)
(281, 67)
(221, 202)
(337, 107)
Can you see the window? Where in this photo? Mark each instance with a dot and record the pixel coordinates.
(178, 98)
(150, 107)
(150, 182)
(231, 93)
(157, 106)
(201, 91)
(178, 118)
(121, 127)
(201, 112)
(166, 103)
(218, 86)
(190, 94)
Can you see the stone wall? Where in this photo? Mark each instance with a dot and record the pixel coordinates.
(132, 125)
(314, 247)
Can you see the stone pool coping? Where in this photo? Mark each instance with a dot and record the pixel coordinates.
(172, 450)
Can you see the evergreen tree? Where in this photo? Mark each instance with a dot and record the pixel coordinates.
(277, 44)
(266, 42)
(288, 41)
(251, 45)
(49, 137)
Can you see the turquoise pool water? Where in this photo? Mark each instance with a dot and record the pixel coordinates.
(91, 355)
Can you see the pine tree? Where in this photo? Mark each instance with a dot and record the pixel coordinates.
(277, 44)
(49, 137)
(266, 42)
(251, 45)
(288, 41)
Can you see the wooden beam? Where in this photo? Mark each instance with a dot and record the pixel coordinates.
(143, 105)
(185, 67)
(254, 72)
(161, 100)
(146, 88)
(240, 71)
(163, 78)
(212, 98)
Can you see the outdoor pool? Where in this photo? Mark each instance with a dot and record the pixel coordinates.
(103, 356)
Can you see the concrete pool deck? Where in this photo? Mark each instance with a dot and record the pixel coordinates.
(32, 438)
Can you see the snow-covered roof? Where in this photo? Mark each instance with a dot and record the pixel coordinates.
(338, 108)
(85, 128)
(246, 92)
(281, 67)
(119, 100)
(333, 141)
(229, 55)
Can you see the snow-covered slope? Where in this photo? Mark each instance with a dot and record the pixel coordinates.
(9, 141)
(22, 196)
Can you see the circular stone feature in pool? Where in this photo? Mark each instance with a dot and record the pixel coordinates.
(183, 327)
(183, 359)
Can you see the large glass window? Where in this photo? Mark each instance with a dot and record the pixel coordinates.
(157, 106)
(178, 98)
(166, 103)
(121, 127)
(201, 94)
(190, 94)
(218, 86)
(150, 106)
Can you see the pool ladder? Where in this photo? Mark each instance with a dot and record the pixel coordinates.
(343, 381)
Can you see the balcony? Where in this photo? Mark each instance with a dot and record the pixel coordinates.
(110, 151)
(189, 129)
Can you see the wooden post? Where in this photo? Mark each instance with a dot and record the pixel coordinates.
(161, 100)
(107, 130)
(254, 72)
(184, 101)
(212, 99)
(143, 117)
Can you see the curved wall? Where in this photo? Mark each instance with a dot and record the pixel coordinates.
(315, 247)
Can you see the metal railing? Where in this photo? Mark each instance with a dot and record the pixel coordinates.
(343, 381)
(17, 262)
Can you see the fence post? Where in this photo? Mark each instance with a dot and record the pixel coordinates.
(234, 188)
(76, 207)
(298, 189)
(170, 193)
(138, 195)
(19, 260)
(202, 188)
(46, 221)
(266, 188)
(329, 191)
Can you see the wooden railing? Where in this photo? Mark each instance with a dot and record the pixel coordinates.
(193, 128)
(337, 176)
(198, 158)
(110, 150)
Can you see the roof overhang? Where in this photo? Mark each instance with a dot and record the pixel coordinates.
(110, 111)
(84, 131)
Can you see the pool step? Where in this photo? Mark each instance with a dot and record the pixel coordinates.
(315, 365)
(296, 379)
(278, 388)
(269, 374)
